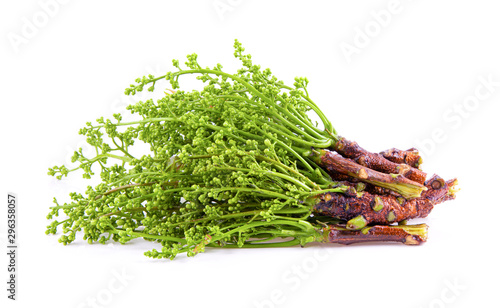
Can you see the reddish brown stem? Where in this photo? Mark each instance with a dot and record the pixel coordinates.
(409, 235)
(334, 162)
(362, 209)
(377, 161)
(336, 176)
(364, 187)
(410, 157)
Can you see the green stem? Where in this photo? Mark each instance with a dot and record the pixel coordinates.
(98, 158)
(289, 243)
(153, 236)
(277, 174)
(283, 120)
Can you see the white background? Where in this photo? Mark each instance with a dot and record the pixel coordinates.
(414, 76)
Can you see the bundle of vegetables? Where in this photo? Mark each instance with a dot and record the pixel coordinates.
(240, 164)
